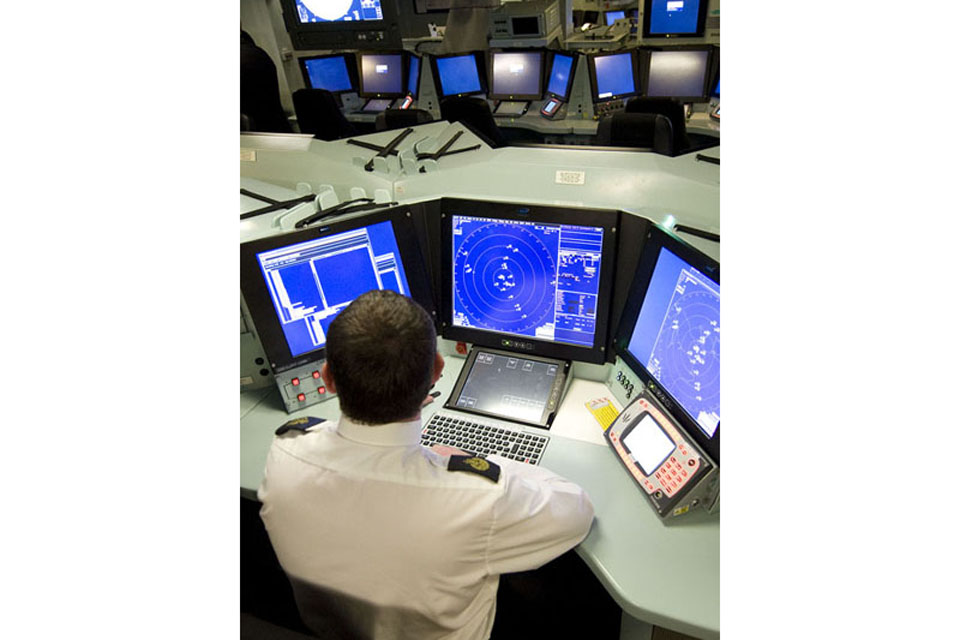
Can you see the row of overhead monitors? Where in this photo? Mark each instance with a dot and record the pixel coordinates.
(686, 73)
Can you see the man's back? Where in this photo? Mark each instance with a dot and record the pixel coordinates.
(366, 518)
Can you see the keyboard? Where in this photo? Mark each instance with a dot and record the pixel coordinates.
(483, 438)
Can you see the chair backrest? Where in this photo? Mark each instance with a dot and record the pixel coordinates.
(667, 107)
(400, 118)
(319, 114)
(475, 114)
(646, 130)
(260, 89)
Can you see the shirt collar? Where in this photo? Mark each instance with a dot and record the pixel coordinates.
(392, 434)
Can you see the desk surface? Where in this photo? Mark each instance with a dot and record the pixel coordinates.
(667, 576)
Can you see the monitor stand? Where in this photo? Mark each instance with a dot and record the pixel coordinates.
(508, 108)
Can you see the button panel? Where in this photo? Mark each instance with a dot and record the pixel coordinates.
(302, 387)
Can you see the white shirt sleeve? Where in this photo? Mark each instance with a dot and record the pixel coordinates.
(538, 517)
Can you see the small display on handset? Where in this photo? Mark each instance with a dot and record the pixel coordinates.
(550, 107)
(648, 443)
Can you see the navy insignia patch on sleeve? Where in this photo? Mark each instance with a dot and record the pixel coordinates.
(298, 424)
(473, 464)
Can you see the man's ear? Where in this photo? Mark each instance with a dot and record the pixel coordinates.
(438, 365)
(328, 378)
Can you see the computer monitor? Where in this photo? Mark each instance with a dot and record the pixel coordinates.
(382, 74)
(413, 76)
(516, 74)
(530, 279)
(674, 18)
(560, 81)
(296, 283)
(336, 73)
(613, 75)
(679, 73)
(612, 16)
(457, 75)
(669, 333)
(321, 24)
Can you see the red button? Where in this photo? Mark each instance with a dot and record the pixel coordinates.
(316, 375)
(295, 382)
(301, 397)
(321, 389)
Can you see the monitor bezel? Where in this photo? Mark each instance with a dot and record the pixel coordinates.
(415, 94)
(404, 68)
(517, 96)
(608, 219)
(317, 36)
(573, 70)
(645, 57)
(700, 29)
(350, 60)
(657, 239)
(592, 72)
(481, 74)
(257, 295)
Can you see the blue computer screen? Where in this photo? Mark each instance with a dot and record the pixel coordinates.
(613, 16)
(458, 74)
(329, 73)
(674, 16)
(560, 75)
(413, 79)
(382, 73)
(676, 74)
(311, 282)
(614, 75)
(516, 73)
(523, 278)
(677, 337)
(338, 10)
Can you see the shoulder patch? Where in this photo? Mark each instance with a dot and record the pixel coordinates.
(474, 464)
(299, 425)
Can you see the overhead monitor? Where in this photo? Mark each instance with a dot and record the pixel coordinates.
(612, 16)
(674, 18)
(295, 284)
(516, 74)
(382, 74)
(669, 333)
(413, 76)
(527, 278)
(334, 24)
(679, 73)
(457, 75)
(613, 75)
(336, 73)
(560, 81)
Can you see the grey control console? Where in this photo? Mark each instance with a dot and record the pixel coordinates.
(302, 386)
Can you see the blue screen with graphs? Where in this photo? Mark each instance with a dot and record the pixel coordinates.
(523, 278)
(677, 337)
(311, 282)
(338, 11)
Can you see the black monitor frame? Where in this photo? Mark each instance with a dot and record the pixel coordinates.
(415, 94)
(351, 62)
(318, 36)
(549, 74)
(478, 58)
(608, 219)
(404, 68)
(644, 56)
(508, 96)
(260, 304)
(656, 239)
(701, 22)
(592, 72)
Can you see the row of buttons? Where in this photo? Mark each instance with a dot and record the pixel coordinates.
(296, 381)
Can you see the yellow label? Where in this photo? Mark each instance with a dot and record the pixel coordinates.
(681, 510)
(603, 411)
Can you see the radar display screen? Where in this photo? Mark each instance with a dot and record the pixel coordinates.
(338, 10)
(677, 337)
(529, 279)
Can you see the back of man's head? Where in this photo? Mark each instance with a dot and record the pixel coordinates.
(380, 351)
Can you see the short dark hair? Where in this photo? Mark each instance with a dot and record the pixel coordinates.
(380, 351)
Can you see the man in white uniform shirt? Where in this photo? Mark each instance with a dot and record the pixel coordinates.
(383, 538)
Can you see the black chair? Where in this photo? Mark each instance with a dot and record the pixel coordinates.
(401, 118)
(260, 89)
(646, 130)
(475, 114)
(667, 107)
(318, 113)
